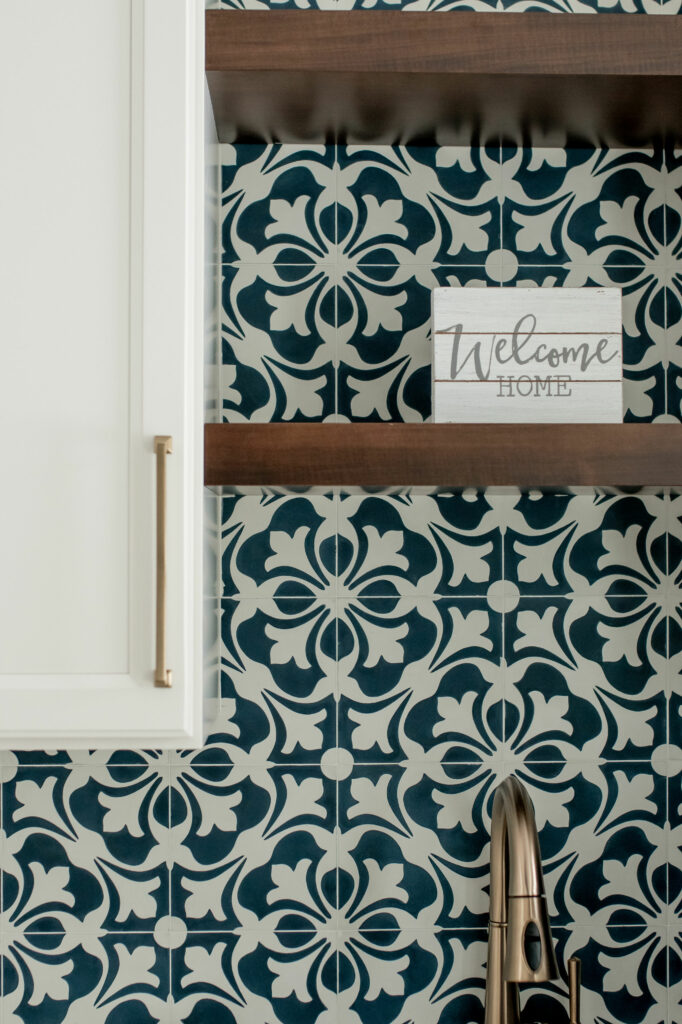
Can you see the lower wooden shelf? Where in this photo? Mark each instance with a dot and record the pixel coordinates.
(445, 455)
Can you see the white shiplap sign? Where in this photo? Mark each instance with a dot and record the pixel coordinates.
(524, 355)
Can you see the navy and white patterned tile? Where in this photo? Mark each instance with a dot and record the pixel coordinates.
(386, 975)
(383, 317)
(276, 5)
(420, 680)
(280, 546)
(418, 205)
(79, 976)
(279, 308)
(584, 205)
(673, 355)
(87, 845)
(408, 839)
(278, 689)
(278, 204)
(279, 343)
(672, 358)
(415, 544)
(251, 847)
(204, 985)
(603, 842)
(586, 679)
(592, 544)
(351, 240)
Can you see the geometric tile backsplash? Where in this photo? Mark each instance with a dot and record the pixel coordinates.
(388, 658)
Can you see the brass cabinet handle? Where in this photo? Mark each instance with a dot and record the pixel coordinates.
(163, 446)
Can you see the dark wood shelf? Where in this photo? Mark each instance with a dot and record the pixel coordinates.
(390, 76)
(446, 455)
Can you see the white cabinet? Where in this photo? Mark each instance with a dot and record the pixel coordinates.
(102, 236)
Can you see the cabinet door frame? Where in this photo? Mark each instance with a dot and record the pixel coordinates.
(166, 351)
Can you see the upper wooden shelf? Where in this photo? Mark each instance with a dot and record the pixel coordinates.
(446, 455)
(389, 76)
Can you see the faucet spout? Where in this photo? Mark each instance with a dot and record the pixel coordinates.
(520, 944)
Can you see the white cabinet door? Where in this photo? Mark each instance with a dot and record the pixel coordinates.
(101, 323)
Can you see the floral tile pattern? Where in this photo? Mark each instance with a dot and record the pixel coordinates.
(330, 255)
(387, 660)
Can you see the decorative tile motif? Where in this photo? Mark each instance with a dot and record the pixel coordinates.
(331, 255)
(387, 659)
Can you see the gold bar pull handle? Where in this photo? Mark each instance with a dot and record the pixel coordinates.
(163, 446)
(574, 973)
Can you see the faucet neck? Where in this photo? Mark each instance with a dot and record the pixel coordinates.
(515, 864)
(519, 940)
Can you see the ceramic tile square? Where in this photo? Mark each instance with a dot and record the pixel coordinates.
(588, 543)
(251, 846)
(583, 205)
(86, 846)
(279, 204)
(386, 975)
(603, 842)
(278, 343)
(260, 977)
(280, 546)
(418, 205)
(384, 342)
(85, 976)
(586, 679)
(278, 691)
(415, 544)
(420, 679)
(414, 843)
(384, 337)
(203, 981)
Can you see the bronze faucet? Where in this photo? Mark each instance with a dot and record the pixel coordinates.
(519, 938)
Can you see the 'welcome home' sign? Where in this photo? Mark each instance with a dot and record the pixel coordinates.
(520, 355)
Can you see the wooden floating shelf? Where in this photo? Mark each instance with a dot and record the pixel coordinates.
(446, 455)
(388, 76)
